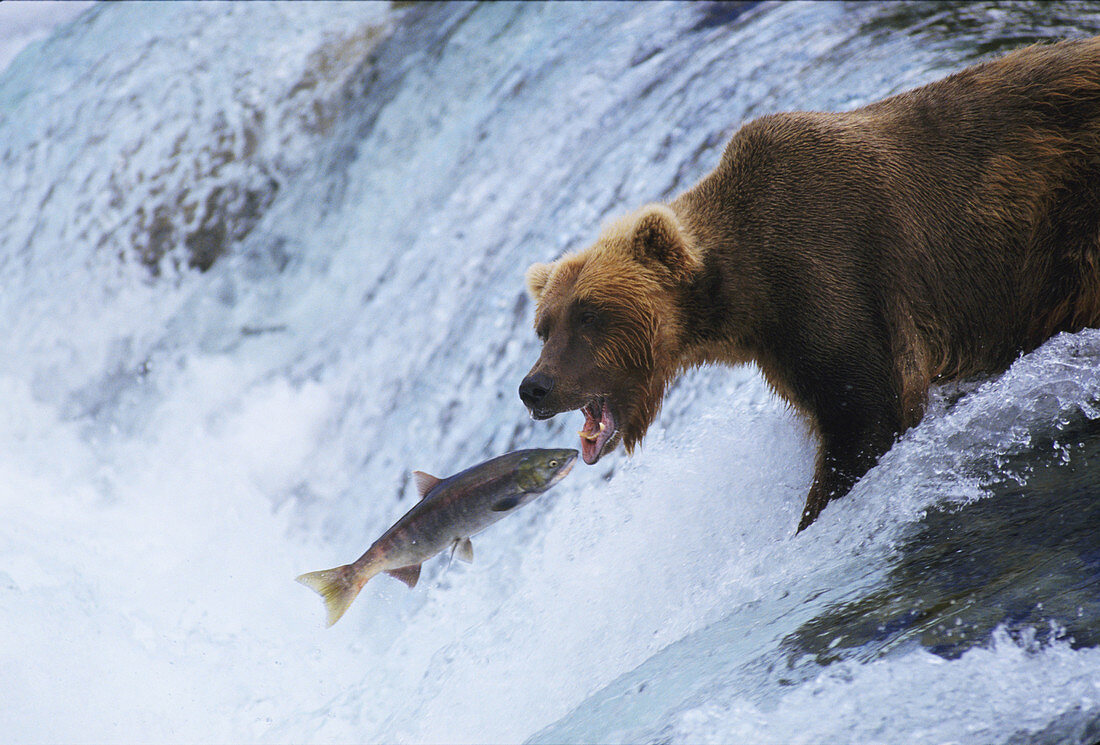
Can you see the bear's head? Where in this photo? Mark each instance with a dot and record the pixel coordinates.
(609, 320)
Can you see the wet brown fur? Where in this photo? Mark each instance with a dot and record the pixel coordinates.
(856, 257)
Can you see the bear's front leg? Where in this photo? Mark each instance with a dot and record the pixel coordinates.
(850, 446)
(832, 479)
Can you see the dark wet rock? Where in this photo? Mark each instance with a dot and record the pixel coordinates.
(1026, 558)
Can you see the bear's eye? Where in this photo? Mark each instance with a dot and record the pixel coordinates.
(588, 317)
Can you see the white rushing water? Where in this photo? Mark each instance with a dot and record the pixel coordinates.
(23, 23)
(260, 261)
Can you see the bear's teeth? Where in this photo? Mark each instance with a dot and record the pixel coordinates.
(586, 436)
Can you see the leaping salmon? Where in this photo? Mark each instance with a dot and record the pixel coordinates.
(449, 512)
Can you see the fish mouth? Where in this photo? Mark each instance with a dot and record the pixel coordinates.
(600, 433)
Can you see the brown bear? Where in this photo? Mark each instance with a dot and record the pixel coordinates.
(855, 257)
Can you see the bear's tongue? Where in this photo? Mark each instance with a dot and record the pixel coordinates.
(599, 426)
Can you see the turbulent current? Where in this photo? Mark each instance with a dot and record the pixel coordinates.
(258, 262)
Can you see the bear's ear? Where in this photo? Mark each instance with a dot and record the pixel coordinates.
(659, 238)
(537, 276)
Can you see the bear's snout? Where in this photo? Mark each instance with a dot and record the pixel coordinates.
(534, 389)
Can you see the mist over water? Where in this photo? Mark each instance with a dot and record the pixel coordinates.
(258, 262)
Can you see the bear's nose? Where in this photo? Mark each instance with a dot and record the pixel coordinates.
(534, 388)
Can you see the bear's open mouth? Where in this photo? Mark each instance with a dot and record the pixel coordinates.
(599, 428)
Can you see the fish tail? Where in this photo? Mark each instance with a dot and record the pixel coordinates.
(338, 587)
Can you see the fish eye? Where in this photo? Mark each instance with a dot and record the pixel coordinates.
(553, 464)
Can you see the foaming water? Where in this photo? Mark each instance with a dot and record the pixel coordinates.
(260, 261)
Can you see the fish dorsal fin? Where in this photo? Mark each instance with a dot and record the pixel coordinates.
(425, 482)
(410, 575)
(464, 550)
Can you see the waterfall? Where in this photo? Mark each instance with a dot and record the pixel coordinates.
(258, 262)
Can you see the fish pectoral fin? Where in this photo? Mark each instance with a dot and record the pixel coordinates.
(464, 550)
(505, 504)
(425, 482)
(410, 575)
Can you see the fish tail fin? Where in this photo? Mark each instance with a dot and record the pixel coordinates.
(338, 587)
